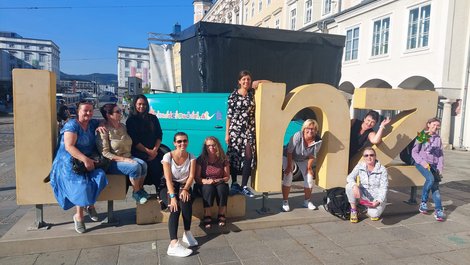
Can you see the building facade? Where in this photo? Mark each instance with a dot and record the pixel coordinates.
(133, 62)
(19, 52)
(406, 44)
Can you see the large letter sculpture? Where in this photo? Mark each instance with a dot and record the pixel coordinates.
(274, 111)
(273, 114)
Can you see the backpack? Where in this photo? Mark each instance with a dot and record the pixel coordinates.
(405, 154)
(336, 202)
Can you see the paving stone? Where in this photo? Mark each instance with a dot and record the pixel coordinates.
(262, 261)
(252, 250)
(212, 241)
(456, 241)
(440, 228)
(336, 256)
(269, 234)
(401, 232)
(241, 237)
(17, 260)
(100, 255)
(61, 257)
(137, 254)
(218, 255)
(300, 230)
(372, 236)
(319, 242)
(402, 249)
(298, 256)
(370, 254)
(282, 245)
(340, 227)
(417, 260)
(461, 256)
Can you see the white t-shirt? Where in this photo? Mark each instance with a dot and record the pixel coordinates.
(180, 173)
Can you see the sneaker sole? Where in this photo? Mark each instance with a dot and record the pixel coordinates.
(424, 212)
(179, 255)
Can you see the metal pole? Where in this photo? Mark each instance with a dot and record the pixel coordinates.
(264, 209)
(39, 222)
(412, 200)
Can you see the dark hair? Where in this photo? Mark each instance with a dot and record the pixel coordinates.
(179, 134)
(133, 110)
(242, 74)
(85, 102)
(107, 109)
(433, 120)
(373, 114)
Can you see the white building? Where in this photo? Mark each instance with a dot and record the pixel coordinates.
(133, 62)
(396, 44)
(19, 52)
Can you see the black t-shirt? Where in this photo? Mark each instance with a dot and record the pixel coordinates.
(144, 130)
(358, 141)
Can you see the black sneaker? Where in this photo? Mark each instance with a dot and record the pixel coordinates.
(235, 188)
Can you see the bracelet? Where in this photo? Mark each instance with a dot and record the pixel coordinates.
(172, 195)
(381, 126)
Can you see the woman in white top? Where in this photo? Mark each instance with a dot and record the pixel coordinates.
(179, 168)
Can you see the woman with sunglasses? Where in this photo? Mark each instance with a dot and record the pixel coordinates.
(213, 172)
(70, 188)
(368, 185)
(302, 150)
(146, 133)
(179, 168)
(116, 145)
(429, 158)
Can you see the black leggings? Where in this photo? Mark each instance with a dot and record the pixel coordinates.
(219, 191)
(186, 209)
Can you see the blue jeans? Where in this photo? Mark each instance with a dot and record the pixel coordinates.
(430, 185)
(133, 170)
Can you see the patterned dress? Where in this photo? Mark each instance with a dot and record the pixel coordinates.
(241, 112)
(72, 189)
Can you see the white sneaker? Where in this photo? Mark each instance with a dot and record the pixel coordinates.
(189, 239)
(178, 250)
(285, 206)
(309, 205)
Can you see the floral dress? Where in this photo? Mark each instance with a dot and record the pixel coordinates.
(241, 112)
(71, 189)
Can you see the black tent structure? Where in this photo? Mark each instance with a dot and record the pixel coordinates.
(213, 54)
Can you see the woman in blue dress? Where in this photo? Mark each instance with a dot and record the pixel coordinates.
(71, 189)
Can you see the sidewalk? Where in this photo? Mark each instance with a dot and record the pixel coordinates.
(298, 237)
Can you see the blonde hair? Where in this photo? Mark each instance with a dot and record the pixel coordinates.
(309, 122)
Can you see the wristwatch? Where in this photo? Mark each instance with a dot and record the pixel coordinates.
(172, 195)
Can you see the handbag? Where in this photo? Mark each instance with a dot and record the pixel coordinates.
(100, 162)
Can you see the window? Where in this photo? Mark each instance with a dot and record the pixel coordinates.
(418, 27)
(12, 55)
(326, 7)
(269, 2)
(308, 11)
(27, 56)
(380, 36)
(126, 64)
(139, 56)
(26, 46)
(260, 5)
(41, 48)
(11, 45)
(139, 65)
(352, 44)
(246, 14)
(126, 55)
(293, 14)
(253, 8)
(42, 57)
(126, 74)
(277, 23)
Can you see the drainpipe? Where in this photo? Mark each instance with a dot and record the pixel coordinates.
(464, 98)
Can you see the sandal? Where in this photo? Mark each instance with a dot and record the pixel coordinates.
(222, 219)
(207, 222)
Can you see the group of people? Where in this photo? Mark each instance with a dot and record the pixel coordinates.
(367, 184)
(134, 150)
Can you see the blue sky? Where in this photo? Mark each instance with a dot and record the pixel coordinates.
(88, 32)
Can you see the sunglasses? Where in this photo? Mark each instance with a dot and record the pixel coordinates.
(367, 155)
(182, 141)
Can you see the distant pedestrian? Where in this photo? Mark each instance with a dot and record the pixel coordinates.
(7, 100)
(429, 159)
(63, 114)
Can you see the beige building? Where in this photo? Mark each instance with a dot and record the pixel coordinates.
(406, 44)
